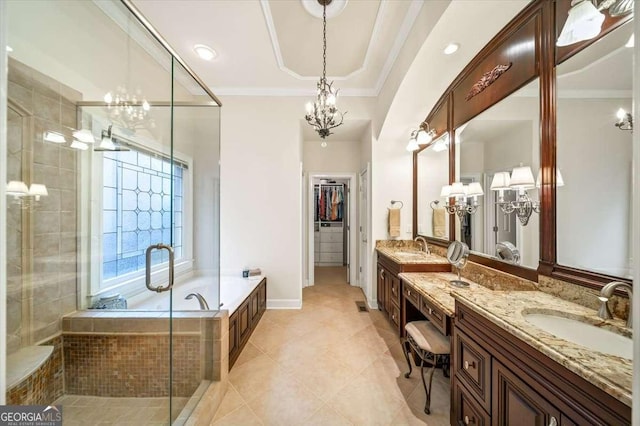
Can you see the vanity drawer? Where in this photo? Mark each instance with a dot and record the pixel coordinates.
(435, 315)
(472, 365)
(394, 290)
(394, 315)
(412, 295)
(467, 410)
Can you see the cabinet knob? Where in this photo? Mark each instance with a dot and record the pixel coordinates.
(430, 311)
(409, 292)
(468, 420)
(467, 365)
(553, 422)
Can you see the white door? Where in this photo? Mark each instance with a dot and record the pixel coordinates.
(364, 225)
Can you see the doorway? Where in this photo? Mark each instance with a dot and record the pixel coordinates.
(331, 244)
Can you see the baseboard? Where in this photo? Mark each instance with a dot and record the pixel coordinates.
(373, 304)
(284, 304)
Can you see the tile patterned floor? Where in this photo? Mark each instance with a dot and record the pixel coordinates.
(328, 364)
(92, 410)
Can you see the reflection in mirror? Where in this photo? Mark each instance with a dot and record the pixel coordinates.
(594, 153)
(433, 174)
(500, 149)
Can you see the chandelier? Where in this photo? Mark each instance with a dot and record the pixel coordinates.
(322, 114)
(127, 109)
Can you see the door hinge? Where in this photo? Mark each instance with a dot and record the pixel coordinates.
(361, 269)
(495, 229)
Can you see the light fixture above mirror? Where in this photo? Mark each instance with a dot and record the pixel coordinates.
(421, 136)
(625, 120)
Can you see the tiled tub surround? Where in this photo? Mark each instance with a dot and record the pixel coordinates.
(506, 309)
(41, 272)
(126, 353)
(43, 385)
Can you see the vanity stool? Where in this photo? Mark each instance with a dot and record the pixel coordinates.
(433, 349)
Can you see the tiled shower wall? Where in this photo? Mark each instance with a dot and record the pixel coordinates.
(42, 239)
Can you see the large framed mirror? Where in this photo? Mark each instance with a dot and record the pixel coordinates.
(500, 150)
(594, 157)
(432, 175)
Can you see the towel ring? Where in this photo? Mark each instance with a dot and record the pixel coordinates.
(434, 204)
(397, 201)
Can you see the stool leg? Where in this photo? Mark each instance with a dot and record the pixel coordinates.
(427, 388)
(406, 348)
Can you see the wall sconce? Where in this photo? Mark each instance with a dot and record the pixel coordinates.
(26, 196)
(625, 120)
(520, 180)
(583, 23)
(421, 136)
(461, 194)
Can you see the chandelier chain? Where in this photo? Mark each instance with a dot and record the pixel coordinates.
(324, 43)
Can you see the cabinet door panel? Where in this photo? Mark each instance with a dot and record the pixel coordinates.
(381, 289)
(244, 322)
(468, 411)
(515, 403)
(473, 367)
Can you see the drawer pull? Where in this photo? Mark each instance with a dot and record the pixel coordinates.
(553, 422)
(382, 273)
(430, 311)
(467, 365)
(471, 420)
(409, 292)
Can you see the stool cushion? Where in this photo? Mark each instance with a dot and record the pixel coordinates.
(428, 338)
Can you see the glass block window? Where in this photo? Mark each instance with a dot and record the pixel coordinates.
(137, 204)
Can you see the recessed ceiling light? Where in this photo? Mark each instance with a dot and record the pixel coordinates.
(631, 41)
(9, 49)
(451, 48)
(205, 52)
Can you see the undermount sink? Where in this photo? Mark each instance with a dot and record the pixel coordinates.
(584, 334)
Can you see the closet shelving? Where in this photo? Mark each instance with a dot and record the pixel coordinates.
(329, 224)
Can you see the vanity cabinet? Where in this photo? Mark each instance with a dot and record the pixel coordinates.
(500, 380)
(389, 289)
(244, 320)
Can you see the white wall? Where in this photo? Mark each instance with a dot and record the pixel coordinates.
(261, 198)
(338, 156)
(595, 160)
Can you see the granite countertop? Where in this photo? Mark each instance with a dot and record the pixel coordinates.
(436, 287)
(410, 255)
(507, 309)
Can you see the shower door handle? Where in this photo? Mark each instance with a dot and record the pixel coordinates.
(148, 267)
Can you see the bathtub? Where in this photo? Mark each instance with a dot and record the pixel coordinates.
(233, 291)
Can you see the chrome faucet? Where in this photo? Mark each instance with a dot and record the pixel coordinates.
(425, 247)
(605, 294)
(201, 300)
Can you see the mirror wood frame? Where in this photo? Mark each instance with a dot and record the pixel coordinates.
(536, 26)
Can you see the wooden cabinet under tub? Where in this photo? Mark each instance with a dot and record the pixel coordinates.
(244, 320)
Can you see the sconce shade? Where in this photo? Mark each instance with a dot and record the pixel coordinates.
(474, 189)
(84, 135)
(457, 190)
(559, 179)
(54, 137)
(107, 143)
(424, 137)
(75, 144)
(522, 178)
(38, 189)
(500, 181)
(17, 188)
(583, 23)
(446, 191)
